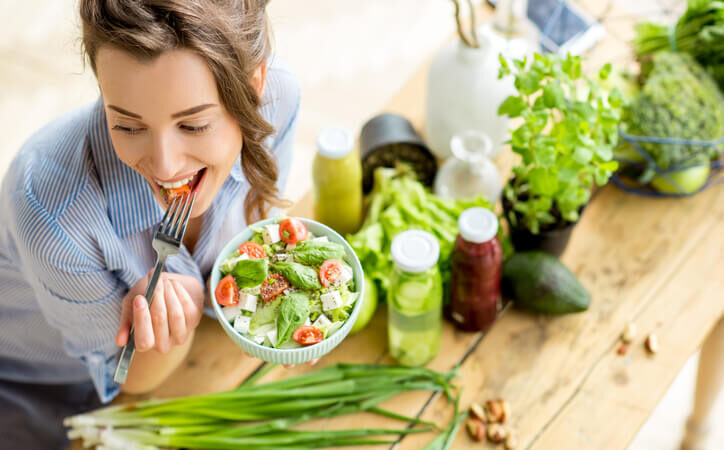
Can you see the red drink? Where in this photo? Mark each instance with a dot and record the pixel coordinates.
(476, 270)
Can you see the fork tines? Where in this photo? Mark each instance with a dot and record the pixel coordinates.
(177, 216)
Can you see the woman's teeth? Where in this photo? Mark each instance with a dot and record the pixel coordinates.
(176, 184)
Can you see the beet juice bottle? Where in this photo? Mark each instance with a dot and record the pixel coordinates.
(476, 269)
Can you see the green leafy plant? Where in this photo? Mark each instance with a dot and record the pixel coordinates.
(293, 311)
(250, 272)
(565, 141)
(299, 275)
(316, 252)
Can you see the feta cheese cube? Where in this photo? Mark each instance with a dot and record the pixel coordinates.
(331, 300)
(272, 336)
(231, 312)
(322, 321)
(308, 322)
(346, 276)
(291, 247)
(259, 339)
(320, 239)
(241, 324)
(247, 302)
(271, 234)
(241, 257)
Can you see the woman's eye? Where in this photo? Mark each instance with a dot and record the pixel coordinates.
(128, 130)
(194, 130)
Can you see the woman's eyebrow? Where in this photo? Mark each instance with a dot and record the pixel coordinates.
(186, 112)
(124, 112)
(193, 110)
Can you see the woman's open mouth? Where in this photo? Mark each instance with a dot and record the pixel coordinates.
(190, 185)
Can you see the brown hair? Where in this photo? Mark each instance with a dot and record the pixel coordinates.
(232, 36)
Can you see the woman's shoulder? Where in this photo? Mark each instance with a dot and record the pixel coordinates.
(51, 167)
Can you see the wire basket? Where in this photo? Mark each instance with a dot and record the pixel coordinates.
(634, 176)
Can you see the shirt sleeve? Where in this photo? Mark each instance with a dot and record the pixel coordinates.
(76, 294)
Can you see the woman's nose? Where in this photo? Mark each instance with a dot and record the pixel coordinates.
(166, 157)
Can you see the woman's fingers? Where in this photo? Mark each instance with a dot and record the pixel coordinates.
(176, 318)
(192, 311)
(124, 328)
(162, 341)
(143, 328)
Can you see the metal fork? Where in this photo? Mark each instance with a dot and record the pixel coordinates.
(166, 242)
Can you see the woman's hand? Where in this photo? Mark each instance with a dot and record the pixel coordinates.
(175, 312)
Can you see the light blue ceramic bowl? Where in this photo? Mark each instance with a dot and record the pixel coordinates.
(294, 355)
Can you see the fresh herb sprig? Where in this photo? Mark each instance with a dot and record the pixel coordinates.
(566, 139)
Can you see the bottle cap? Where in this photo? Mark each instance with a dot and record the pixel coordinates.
(334, 142)
(478, 225)
(415, 251)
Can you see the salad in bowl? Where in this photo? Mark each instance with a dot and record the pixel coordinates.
(287, 290)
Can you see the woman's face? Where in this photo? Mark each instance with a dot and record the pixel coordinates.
(167, 122)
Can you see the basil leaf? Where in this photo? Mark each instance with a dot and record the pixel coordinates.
(316, 252)
(299, 275)
(293, 312)
(250, 272)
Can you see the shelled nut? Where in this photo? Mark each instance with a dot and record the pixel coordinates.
(477, 412)
(476, 429)
(497, 433)
(629, 333)
(652, 343)
(497, 411)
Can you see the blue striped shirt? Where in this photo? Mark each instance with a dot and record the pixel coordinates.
(76, 235)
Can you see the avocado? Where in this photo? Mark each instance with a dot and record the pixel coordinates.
(537, 281)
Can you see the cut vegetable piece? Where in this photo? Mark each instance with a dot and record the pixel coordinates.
(330, 272)
(252, 250)
(292, 230)
(308, 335)
(227, 292)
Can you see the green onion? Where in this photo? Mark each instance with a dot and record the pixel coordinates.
(262, 416)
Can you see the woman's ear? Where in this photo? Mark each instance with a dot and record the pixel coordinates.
(258, 79)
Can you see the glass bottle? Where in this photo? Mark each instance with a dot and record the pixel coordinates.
(476, 265)
(471, 171)
(337, 177)
(415, 299)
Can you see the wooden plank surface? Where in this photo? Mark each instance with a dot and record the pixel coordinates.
(655, 261)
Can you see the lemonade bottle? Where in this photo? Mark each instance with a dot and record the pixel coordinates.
(415, 299)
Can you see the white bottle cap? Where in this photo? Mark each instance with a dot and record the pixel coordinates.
(415, 251)
(334, 142)
(478, 225)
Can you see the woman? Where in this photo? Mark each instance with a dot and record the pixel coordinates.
(189, 96)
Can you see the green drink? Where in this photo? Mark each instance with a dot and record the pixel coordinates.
(415, 300)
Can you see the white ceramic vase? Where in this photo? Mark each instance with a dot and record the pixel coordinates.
(463, 89)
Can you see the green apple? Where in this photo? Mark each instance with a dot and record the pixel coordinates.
(369, 305)
(690, 180)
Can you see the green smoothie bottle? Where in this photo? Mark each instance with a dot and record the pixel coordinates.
(337, 176)
(415, 299)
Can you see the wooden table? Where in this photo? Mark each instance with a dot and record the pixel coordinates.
(657, 262)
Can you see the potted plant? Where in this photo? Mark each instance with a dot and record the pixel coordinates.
(565, 141)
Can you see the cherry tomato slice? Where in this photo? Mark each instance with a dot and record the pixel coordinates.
(252, 250)
(227, 292)
(292, 230)
(330, 272)
(273, 286)
(307, 335)
(172, 193)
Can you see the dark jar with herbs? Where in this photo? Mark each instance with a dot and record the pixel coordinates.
(476, 261)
